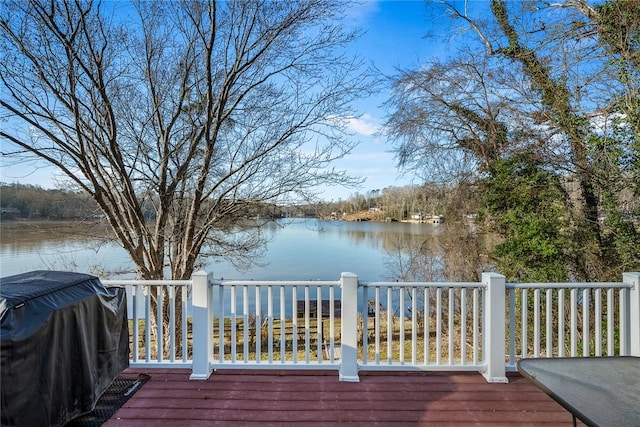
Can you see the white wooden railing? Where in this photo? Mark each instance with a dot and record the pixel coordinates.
(349, 325)
(147, 336)
(437, 325)
(573, 319)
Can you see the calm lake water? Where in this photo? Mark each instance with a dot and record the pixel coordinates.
(299, 249)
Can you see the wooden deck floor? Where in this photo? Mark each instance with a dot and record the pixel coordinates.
(317, 398)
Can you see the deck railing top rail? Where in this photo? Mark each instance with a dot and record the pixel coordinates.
(570, 285)
(122, 282)
(277, 282)
(424, 284)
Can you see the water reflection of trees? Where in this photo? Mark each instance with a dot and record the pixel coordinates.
(387, 235)
(452, 251)
(32, 235)
(62, 245)
(456, 253)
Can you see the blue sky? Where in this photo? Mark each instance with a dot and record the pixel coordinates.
(394, 37)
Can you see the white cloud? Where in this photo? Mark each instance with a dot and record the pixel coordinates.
(359, 13)
(363, 125)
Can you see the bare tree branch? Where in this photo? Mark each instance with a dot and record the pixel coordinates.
(196, 110)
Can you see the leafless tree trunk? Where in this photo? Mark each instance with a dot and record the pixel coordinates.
(178, 117)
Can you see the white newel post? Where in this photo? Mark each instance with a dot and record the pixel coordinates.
(634, 312)
(349, 328)
(494, 327)
(202, 326)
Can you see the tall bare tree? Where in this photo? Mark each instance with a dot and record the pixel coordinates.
(449, 119)
(176, 117)
(557, 81)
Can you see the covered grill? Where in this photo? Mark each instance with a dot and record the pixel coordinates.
(64, 339)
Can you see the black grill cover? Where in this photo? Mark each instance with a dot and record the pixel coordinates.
(64, 340)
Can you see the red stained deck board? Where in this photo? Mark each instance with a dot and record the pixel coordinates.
(326, 383)
(354, 396)
(317, 398)
(324, 388)
(218, 402)
(348, 416)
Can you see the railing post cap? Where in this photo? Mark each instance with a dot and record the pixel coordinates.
(347, 274)
(491, 274)
(489, 278)
(200, 273)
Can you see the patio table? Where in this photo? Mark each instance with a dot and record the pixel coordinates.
(599, 391)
